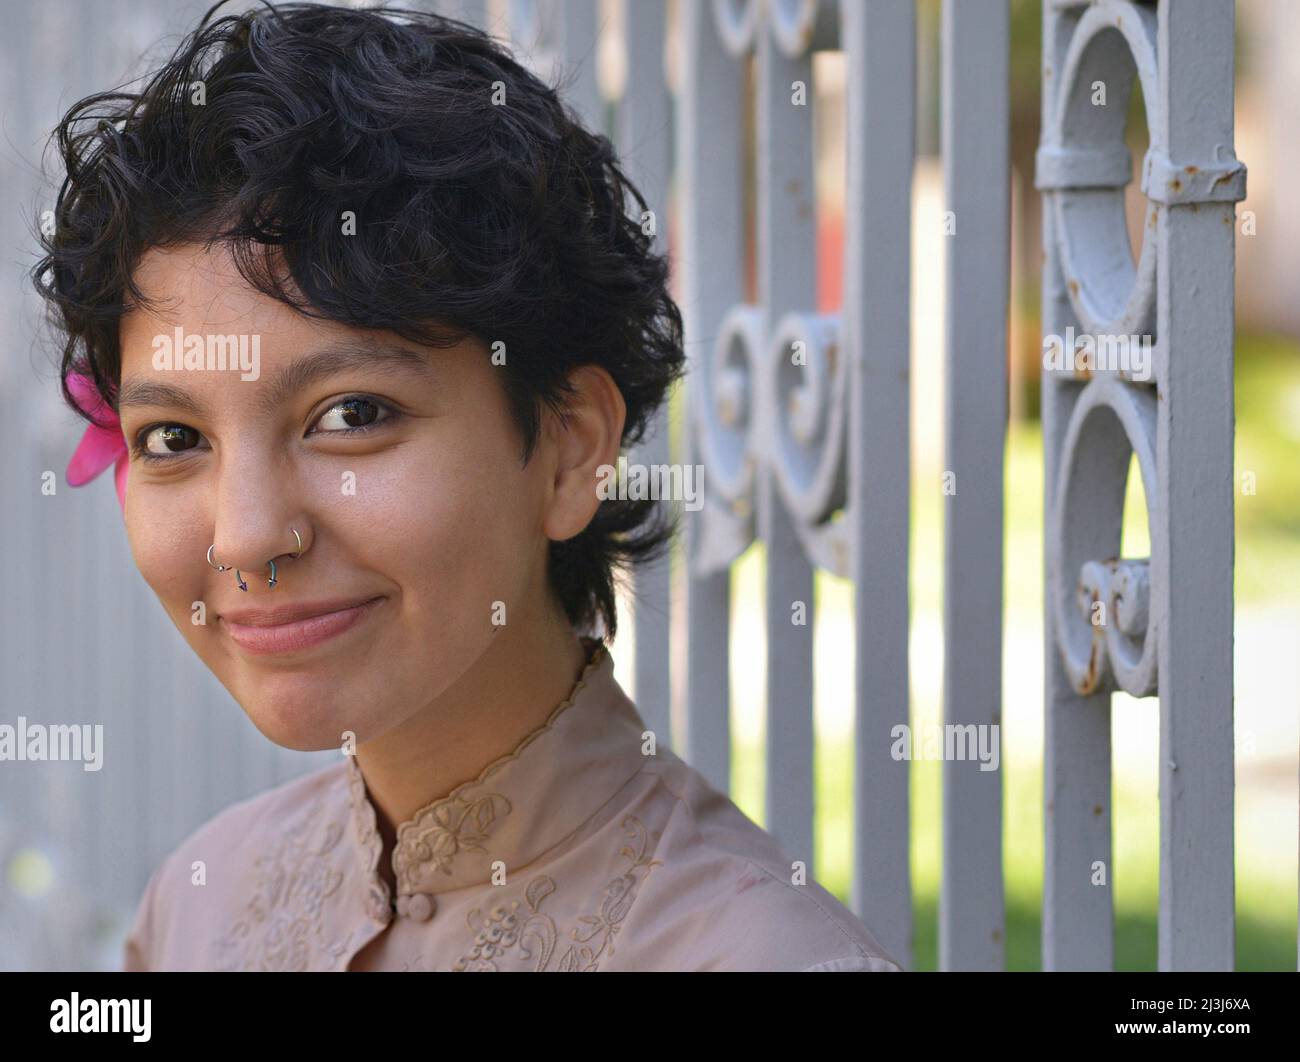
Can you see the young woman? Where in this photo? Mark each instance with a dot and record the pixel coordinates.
(354, 306)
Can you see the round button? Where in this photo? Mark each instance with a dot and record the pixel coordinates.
(418, 907)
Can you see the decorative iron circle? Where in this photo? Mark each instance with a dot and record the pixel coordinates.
(1110, 422)
(1085, 166)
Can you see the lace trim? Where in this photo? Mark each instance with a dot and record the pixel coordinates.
(379, 901)
(436, 815)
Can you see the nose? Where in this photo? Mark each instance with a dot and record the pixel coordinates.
(255, 525)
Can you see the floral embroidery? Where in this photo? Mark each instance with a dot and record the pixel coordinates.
(503, 930)
(442, 830)
(283, 927)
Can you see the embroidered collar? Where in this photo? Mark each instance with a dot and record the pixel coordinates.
(519, 806)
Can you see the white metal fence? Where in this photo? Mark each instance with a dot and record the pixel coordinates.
(801, 420)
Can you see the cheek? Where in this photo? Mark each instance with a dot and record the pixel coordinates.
(168, 548)
(455, 524)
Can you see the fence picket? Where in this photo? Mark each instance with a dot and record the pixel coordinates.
(880, 45)
(974, 135)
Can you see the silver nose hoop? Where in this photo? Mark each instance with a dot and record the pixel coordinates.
(239, 578)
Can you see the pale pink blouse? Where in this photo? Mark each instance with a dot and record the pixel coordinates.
(577, 851)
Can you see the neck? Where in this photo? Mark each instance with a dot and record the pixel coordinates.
(508, 692)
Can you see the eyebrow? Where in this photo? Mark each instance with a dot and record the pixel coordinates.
(292, 378)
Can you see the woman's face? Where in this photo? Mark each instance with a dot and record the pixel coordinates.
(423, 505)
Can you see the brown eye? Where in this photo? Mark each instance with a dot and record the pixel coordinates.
(169, 438)
(356, 413)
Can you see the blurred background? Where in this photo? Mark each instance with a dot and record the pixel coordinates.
(56, 820)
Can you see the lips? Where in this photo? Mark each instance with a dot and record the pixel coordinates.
(293, 627)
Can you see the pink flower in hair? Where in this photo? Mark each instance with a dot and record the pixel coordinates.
(102, 444)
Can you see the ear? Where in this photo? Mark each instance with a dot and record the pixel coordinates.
(587, 437)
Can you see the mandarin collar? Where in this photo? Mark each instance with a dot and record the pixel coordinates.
(518, 807)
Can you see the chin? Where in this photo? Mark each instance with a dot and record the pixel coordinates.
(304, 712)
(306, 730)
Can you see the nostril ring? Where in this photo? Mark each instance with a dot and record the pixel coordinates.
(244, 586)
(239, 577)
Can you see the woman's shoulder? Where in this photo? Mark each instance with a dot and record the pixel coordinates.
(732, 898)
(274, 810)
(213, 862)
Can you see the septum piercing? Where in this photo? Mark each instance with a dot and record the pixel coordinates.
(239, 578)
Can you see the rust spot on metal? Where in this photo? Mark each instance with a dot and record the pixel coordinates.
(1176, 185)
(1089, 684)
(1151, 221)
(1219, 180)
(1074, 287)
(1096, 810)
(1191, 169)
(997, 936)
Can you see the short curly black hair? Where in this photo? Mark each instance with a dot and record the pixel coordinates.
(483, 208)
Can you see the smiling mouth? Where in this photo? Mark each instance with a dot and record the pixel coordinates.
(299, 634)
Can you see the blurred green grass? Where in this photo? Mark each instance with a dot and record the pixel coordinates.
(1267, 566)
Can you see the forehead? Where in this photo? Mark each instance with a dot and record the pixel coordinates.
(193, 292)
(202, 289)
